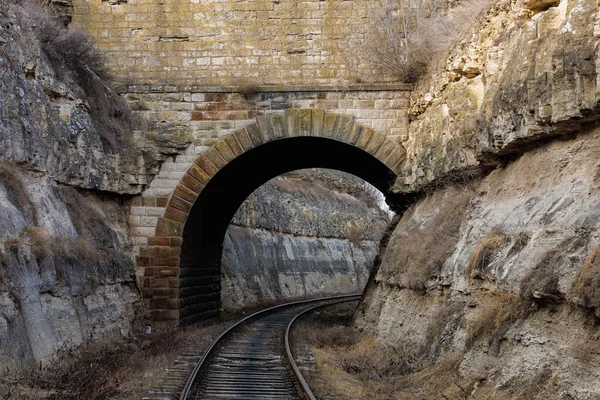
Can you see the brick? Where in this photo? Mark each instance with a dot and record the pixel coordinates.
(142, 261)
(189, 182)
(223, 148)
(365, 137)
(185, 193)
(180, 204)
(206, 165)
(166, 227)
(243, 139)
(175, 215)
(254, 135)
(158, 241)
(149, 201)
(164, 315)
(161, 202)
(216, 158)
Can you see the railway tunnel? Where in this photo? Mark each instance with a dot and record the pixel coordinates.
(201, 207)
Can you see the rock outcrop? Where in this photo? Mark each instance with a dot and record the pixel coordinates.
(495, 270)
(525, 74)
(300, 235)
(66, 275)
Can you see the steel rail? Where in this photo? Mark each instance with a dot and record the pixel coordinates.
(308, 394)
(193, 376)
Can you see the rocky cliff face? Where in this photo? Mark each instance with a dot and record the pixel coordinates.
(66, 274)
(299, 235)
(524, 75)
(497, 277)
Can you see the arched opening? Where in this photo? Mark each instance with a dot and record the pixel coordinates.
(210, 215)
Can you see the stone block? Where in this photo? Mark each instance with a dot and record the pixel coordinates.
(215, 157)
(180, 204)
(291, 117)
(233, 144)
(192, 184)
(254, 135)
(204, 163)
(243, 139)
(166, 227)
(317, 120)
(330, 122)
(279, 125)
(304, 122)
(226, 153)
(365, 137)
(176, 215)
(265, 127)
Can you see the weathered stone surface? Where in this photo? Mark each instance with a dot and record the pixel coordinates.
(46, 121)
(300, 235)
(64, 281)
(538, 80)
(543, 207)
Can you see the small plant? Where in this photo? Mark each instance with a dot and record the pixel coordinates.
(585, 289)
(406, 37)
(354, 231)
(73, 52)
(484, 253)
(16, 189)
(498, 313)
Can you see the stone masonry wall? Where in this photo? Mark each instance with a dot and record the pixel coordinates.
(216, 42)
(202, 118)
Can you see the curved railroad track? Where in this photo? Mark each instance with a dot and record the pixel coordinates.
(253, 359)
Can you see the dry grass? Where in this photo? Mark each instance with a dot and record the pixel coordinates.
(16, 189)
(498, 313)
(541, 284)
(125, 369)
(407, 37)
(72, 52)
(419, 252)
(484, 254)
(585, 289)
(354, 231)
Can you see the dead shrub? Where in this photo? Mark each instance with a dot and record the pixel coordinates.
(484, 253)
(354, 232)
(121, 369)
(328, 327)
(89, 222)
(585, 289)
(16, 190)
(421, 249)
(498, 313)
(541, 282)
(41, 242)
(73, 52)
(370, 360)
(406, 37)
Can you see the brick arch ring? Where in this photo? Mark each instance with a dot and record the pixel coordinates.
(161, 277)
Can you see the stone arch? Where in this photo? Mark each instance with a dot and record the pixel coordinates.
(176, 292)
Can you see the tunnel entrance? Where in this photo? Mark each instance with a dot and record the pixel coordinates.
(209, 218)
(182, 283)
